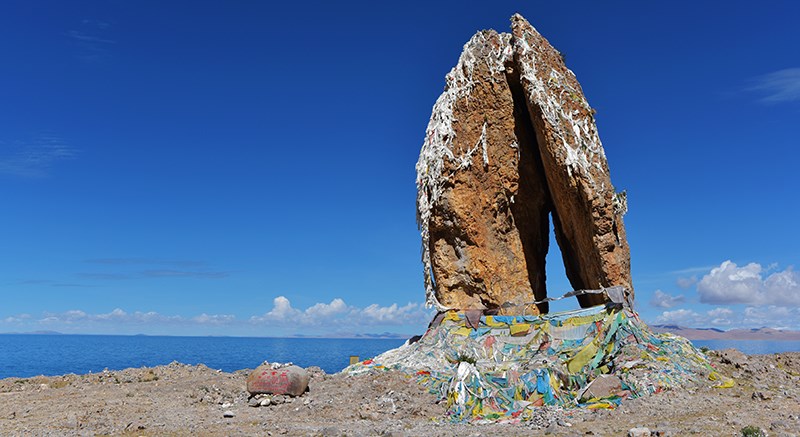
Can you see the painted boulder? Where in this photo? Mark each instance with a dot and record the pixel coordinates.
(289, 380)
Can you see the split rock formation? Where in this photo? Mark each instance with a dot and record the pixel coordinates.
(512, 142)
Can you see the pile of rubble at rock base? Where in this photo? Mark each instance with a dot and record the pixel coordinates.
(500, 368)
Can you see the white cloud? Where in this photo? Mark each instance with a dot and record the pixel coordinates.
(779, 86)
(80, 36)
(691, 270)
(686, 282)
(116, 314)
(214, 319)
(751, 317)
(19, 318)
(394, 314)
(73, 317)
(281, 310)
(731, 284)
(665, 300)
(334, 316)
(337, 306)
(338, 313)
(682, 317)
(721, 316)
(772, 316)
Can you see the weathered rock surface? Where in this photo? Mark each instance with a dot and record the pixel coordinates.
(512, 142)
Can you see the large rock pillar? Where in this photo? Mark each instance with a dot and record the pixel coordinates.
(512, 141)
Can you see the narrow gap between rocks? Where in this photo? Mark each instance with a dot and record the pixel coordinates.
(557, 275)
(533, 209)
(532, 203)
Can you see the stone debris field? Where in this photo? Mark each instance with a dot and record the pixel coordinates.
(179, 399)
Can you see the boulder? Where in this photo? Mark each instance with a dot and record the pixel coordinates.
(601, 387)
(639, 431)
(290, 380)
(733, 357)
(511, 143)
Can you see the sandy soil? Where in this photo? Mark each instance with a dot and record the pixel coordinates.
(194, 400)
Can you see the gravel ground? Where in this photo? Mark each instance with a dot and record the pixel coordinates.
(178, 399)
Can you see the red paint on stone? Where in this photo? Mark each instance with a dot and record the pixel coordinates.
(290, 380)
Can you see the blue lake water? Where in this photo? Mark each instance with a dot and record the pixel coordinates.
(751, 346)
(30, 355)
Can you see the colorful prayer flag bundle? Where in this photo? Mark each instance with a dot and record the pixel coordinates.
(506, 366)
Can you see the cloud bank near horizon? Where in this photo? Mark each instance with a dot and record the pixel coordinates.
(726, 296)
(750, 296)
(320, 318)
(337, 312)
(731, 284)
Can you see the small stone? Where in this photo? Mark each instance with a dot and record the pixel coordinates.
(330, 432)
(278, 399)
(639, 432)
(135, 426)
(72, 421)
(366, 413)
(265, 402)
(760, 396)
(253, 402)
(665, 431)
(229, 413)
(778, 424)
(226, 405)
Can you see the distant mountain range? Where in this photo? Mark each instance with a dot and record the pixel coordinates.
(381, 336)
(733, 334)
(32, 333)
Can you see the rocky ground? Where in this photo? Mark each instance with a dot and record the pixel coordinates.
(194, 400)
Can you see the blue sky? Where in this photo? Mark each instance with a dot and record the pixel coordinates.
(247, 168)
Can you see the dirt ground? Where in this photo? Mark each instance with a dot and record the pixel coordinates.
(178, 399)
